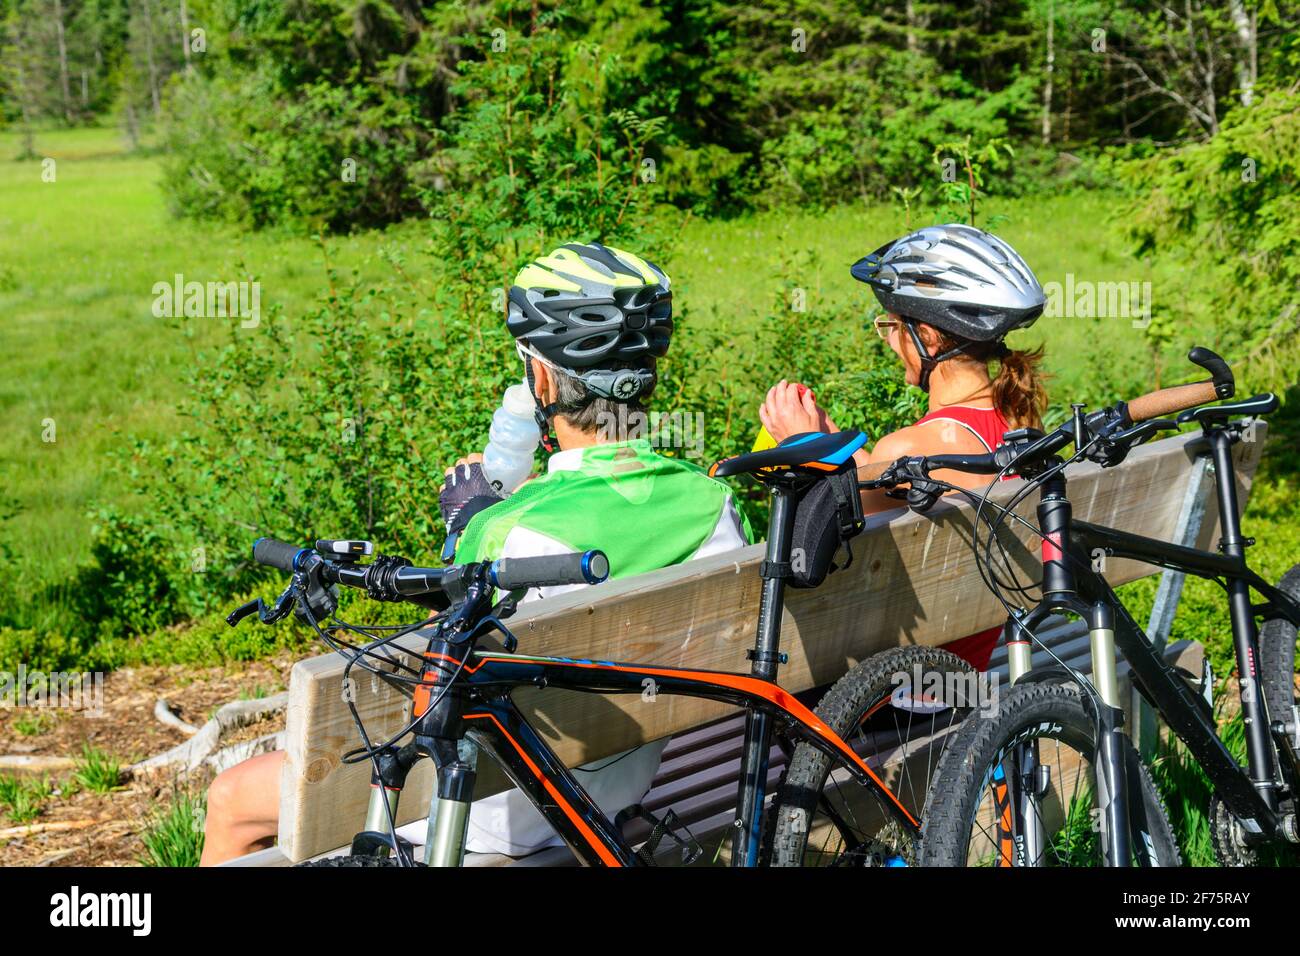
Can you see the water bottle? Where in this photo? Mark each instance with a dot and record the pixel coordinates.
(512, 440)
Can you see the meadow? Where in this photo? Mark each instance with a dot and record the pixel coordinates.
(84, 360)
(79, 257)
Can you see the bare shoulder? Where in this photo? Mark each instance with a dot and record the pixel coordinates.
(932, 438)
(905, 441)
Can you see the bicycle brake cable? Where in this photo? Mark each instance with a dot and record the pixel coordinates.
(984, 562)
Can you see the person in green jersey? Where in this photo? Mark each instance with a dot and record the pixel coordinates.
(590, 323)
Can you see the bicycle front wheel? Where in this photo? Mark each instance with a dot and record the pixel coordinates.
(898, 711)
(1016, 789)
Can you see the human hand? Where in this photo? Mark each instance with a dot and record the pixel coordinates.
(464, 481)
(791, 408)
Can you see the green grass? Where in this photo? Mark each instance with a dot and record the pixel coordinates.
(80, 346)
(174, 836)
(35, 724)
(97, 770)
(715, 266)
(1187, 793)
(23, 798)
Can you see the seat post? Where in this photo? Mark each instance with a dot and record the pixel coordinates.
(774, 570)
(765, 657)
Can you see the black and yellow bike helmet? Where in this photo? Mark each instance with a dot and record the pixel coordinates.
(599, 313)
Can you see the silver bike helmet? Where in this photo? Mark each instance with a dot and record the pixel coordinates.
(959, 279)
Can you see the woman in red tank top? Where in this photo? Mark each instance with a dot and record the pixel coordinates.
(950, 295)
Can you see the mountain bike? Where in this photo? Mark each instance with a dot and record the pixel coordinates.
(845, 806)
(1051, 779)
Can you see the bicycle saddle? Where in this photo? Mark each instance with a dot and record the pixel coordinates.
(1256, 405)
(809, 453)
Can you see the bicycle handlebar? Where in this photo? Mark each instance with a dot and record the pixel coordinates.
(1107, 433)
(986, 464)
(1177, 398)
(1166, 401)
(392, 579)
(276, 554)
(549, 570)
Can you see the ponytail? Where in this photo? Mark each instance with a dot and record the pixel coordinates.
(1019, 391)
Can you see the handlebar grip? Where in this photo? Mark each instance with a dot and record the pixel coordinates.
(549, 570)
(1169, 400)
(275, 554)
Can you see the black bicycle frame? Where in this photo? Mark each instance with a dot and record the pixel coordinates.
(1071, 582)
(480, 707)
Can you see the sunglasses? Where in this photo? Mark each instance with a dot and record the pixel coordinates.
(884, 325)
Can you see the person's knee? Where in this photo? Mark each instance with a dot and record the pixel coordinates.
(223, 795)
(246, 792)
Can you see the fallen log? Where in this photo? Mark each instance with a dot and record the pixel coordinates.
(32, 763)
(204, 748)
(32, 829)
(164, 715)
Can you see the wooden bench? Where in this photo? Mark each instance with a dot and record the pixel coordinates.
(913, 581)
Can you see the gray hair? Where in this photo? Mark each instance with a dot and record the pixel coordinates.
(589, 412)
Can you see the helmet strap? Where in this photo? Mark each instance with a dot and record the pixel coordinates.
(542, 414)
(928, 361)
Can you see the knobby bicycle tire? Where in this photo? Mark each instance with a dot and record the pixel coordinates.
(1277, 640)
(1033, 711)
(859, 694)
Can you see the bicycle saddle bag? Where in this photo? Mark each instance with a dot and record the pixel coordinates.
(827, 514)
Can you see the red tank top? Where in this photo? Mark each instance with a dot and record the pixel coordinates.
(988, 425)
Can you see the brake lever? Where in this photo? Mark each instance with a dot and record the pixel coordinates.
(277, 611)
(920, 493)
(922, 496)
(491, 623)
(1115, 447)
(508, 604)
(888, 480)
(1142, 432)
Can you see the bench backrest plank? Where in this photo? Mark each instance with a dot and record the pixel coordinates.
(913, 581)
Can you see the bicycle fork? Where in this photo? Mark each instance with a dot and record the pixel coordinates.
(1030, 778)
(1109, 758)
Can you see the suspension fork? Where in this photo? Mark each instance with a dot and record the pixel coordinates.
(1060, 592)
(457, 765)
(1028, 779)
(388, 774)
(440, 734)
(1019, 792)
(765, 656)
(1109, 760)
